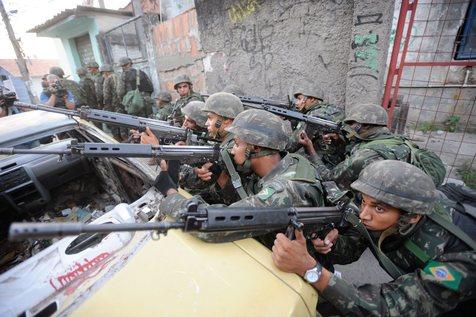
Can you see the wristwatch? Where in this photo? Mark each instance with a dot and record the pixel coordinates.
(313, 275)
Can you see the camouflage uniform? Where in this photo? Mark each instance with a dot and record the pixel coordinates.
(87, 89)
(176, 114)
(113, 91)
(228, 106)
(292, 182)
(359, 157)
(165, 107)
(439, 270)
(331, 154)
(129, 81)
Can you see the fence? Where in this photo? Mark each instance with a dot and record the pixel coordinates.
(430, 90)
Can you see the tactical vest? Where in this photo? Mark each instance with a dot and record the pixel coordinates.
(399, 148)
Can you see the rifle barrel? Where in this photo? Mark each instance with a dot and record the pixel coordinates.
(26, 230)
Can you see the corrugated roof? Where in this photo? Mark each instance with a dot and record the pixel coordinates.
(80, 10)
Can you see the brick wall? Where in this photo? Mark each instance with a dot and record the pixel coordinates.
(179, 51)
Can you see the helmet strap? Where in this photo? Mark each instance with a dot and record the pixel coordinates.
(404, 226)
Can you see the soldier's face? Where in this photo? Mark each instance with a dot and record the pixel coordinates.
(377, 216)
(300, 102)
(211, 124)
(239, 151)
(93, 70)
(189, 124)
(183, 89)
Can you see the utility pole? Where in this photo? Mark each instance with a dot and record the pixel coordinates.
(18, 52)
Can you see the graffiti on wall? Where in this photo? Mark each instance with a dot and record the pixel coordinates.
(364, 46)
(241, 9)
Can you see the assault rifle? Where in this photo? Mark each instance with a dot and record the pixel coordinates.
(284, 110)
(184, 154)
(208, 219)
(161, 128)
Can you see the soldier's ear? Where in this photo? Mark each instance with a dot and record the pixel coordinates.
(414, 219)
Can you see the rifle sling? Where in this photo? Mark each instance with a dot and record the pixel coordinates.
(235, 178)
(386, 263)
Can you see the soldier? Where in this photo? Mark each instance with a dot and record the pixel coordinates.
(364, 125)
(184, 87)
(113, 90)
(68, 84)
(87, 90)
(164, 106)
(195, 117)
(286, 181)
(331, 146)
(132, 78)
(93, 69)
(432, 260)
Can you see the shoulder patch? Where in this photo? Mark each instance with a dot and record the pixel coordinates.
(266, 192)
(444, 274)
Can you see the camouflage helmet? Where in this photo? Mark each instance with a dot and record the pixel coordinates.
(124, 61)
(312, 91)
(398, 184)
(182, 79)
(58, 71)
(233, 89)
(106, 68)
(81, 71)
(367, 114)
(261, 128)
(92, 64)
(224, 104)
(194, 110)
(164, 96)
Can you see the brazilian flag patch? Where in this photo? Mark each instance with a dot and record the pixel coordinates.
(444, 274)
(266, 193)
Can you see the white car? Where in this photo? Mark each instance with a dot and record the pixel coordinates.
(39, 187)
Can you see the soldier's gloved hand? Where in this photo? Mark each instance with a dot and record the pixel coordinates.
(325, 246)
(165, 184)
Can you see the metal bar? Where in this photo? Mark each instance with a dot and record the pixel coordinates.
(124, 41)
(442, 63)
(392, 71)
(411, 7)
(124, 23)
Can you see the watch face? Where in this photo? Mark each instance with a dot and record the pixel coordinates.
(312, 276)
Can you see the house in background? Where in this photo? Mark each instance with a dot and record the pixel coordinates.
(36, 67)
(78, 30)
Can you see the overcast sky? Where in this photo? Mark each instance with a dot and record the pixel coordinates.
(31, 13)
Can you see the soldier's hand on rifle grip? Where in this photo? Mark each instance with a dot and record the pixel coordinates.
(306, 142)
(148, 137)
(134, 136)
(330, 137)
(325, 246)
(204, 172)
(291, 255)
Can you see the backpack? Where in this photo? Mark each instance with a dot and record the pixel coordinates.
(424, 159)
(133, 100)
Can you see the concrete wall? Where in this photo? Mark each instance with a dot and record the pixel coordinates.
(269, 48)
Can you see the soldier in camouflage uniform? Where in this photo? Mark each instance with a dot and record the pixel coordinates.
(211, 179)
(184, 87)
(68, 84)
(330, 146)
(164, 106)
(93, 69)
(434, 259)
(284, 181)
(195, 117)
(113, 91)
(364, 124)
(87, 90)
(130, 78)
